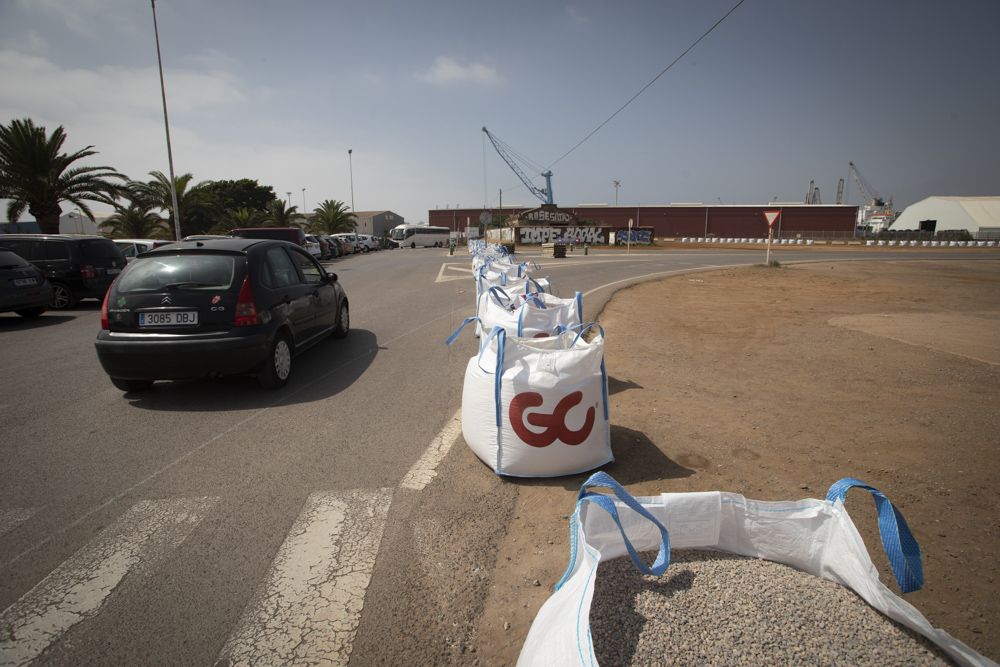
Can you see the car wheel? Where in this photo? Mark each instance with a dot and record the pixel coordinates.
(413, 245)
(31, 312)
(278, 366)
(132, 385)
(343, 322)
(62, 297)
(364, 248)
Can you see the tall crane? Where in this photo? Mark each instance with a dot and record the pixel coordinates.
(867, 191)
(507, 154)
(875, 212)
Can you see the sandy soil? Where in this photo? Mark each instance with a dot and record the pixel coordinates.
(777, 382)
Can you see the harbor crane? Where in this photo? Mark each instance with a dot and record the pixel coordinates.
(507, 153)
(869, 193)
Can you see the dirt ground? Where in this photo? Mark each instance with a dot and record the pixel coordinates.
(777, 382)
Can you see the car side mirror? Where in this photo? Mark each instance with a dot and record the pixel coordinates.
(331, 277)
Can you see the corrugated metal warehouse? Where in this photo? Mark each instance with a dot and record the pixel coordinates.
(679, 220)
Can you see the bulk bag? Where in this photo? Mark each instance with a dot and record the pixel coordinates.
(816, 537)
(525, 283)
(528, 315)
(537, 407)
(516, 289)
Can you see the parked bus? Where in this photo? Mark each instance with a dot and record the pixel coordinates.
(420, 235)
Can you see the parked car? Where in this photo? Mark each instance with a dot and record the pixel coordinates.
(291, 234)
(222, 307)
(23, 287)
(333, 245)
(205, 237)
(351, 240)
(315, 247)
(342, 245)
(77, 266)
(132, 247)
(367, 242)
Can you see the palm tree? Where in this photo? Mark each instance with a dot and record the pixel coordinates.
(332, 217)
(136, 219)
(193, 202)
(281, 216)
(238, 218)
(35, 176)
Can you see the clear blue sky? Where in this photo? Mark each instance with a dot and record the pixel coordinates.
(783, 92)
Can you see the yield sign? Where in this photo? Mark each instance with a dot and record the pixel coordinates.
(772, 217)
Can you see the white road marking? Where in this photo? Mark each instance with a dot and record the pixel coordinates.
(11, 519)
(308, 611)
(690, 269)
(75, 590)
(425, 469)
(463, 268)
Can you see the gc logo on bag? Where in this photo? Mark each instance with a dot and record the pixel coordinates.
(554, 424)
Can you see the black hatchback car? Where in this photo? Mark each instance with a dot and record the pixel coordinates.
(23, 287)
(77, 266)
(219, 307)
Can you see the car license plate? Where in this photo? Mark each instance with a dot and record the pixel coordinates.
(112, 272)
(24, 282)
(173, 318)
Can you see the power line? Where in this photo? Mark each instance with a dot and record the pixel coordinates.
(643, 89)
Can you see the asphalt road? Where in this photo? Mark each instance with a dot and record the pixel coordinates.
(211, 521)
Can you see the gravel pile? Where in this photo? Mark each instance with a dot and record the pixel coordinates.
(713, 608)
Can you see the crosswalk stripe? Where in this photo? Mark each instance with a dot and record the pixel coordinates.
(76, 589)
(308, 610)
(425, 469)
(11, 519)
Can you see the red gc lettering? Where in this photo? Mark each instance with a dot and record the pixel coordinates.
(554, 424)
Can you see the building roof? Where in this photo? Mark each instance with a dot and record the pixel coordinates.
(970, 213)
(371, 214)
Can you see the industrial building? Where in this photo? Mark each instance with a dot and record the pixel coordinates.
(679, 220)
(979, 216)
(377, 223)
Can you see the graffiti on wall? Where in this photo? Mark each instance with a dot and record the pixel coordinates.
(638, 236)
(591, 235)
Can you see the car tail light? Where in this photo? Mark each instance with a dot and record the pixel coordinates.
(104, 312)
(246, 309)
(87, 271)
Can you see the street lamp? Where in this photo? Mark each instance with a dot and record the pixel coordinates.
(288, 202)
(617, 185)
(350, 164)
(303, 200)
(166, 125)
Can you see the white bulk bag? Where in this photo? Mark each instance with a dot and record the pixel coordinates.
(813, 536)
(537, 407)
(486, 279)
(528, 315)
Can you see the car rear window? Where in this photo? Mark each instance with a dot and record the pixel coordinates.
(11, 260)
(99, 249)
(201, 271)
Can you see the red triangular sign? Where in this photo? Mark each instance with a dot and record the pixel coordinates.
(772, 217)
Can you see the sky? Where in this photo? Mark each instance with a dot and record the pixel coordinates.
(781, 93)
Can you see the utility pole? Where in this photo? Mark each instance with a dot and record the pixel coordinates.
(350, 165)
(617, 185)
(166, 126)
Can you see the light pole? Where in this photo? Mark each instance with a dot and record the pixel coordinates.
(303, 200)
(350, 165)
(288, 202)
(617, 185)
(166, 125)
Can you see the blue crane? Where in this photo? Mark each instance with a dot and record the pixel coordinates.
(506, 153)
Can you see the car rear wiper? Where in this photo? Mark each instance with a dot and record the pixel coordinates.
(187, 285)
